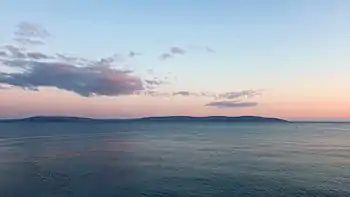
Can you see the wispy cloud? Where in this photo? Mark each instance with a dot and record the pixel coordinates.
(231, 104)
(30, 34)
(239, 94)
(225, 95)
(183, 93)
(165, 56)
(209, 50)
(133, 54)
(174, 50)
(177, 50)
(14, 51)
(216, 96)
(154, 82)
(37, 55)
(27, 41)
(201, 48)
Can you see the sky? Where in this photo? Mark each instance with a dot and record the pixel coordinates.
(129, 58)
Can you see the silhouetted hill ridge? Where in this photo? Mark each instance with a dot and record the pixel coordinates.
(151, 119)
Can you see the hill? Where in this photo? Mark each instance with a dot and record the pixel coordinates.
(150, 119)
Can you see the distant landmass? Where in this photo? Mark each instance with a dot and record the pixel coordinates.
(150, 119)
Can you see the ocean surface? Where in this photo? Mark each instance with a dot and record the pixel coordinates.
(174, 159)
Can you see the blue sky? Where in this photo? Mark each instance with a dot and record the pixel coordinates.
(258, 44)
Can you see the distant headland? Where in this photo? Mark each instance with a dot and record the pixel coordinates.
(151, 119)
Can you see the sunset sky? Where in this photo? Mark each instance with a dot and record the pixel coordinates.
(128, 58)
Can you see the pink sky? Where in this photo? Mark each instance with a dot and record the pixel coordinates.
(49, 101)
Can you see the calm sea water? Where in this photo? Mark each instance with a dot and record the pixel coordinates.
(174, 159)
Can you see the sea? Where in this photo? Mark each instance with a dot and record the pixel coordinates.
(174, 159)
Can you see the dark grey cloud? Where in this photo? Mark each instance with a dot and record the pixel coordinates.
(30, 34)
(231, 104)
(85, 81)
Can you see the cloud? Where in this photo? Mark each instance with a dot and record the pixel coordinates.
(27, 29)
(201, 48)
(150, 71)
(83, 76)
(239, 94)
(67, 58)
(78, 61)
(226, 95)
(183, 93)
(172, 52)
(133, 54)
(15, 52)
(153, 93)
(154, 82)
(209, 50)
(85, 81)
(27, 41)
(165, 56)
(37, 55)
(177, 50)
(197, 94)
(30, 34)
(3, 54)
(231, 104)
